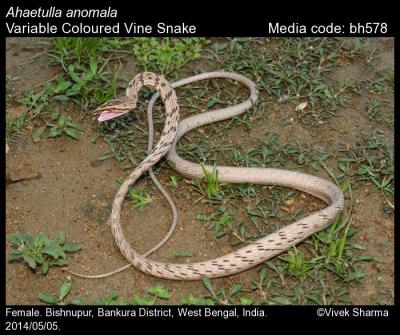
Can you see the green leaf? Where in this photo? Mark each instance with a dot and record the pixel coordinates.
(64, 289)
(58, 262)
(377, 184)
(386, 182)
(210, 302)
(38, 133)
(15, 255)
(207, 284)
(30, 260)
(210, 103)
(71, 247)
(315, 166)
(365, 258)
(71, 72)
(20, 238)
(60, 238)
(74, 90)
(236, 289)
(77, 302)
(45, 267)
(46, 297)
(61, 122)
(181, 254)
(62, 86)
(71, 133)
(263, 274)
(282, 301)
(54, 250)
(40, 241)
(39, 257)
(142, 301)
(75, 126)
(327, 93)
(60, 97)
(55, 113)
(159, 292)
(363, 170)
(55, 131)
(93, 66)
(332, 56)
(245, 301)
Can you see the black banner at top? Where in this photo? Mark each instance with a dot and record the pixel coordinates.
(48, 18)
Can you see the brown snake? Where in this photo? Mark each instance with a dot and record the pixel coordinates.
(246, 257)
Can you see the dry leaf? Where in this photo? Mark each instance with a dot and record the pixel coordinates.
(301, 106)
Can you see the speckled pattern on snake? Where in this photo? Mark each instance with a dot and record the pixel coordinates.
(250, 255)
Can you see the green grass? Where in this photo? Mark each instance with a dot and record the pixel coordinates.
(376, 110)
(292, 70)
(14, 124)
(166, 55)
(209, 186)
(79, 49)
(369, 160)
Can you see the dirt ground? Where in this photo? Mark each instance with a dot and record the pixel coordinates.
(73, 193)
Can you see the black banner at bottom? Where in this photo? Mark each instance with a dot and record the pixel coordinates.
(54, 318)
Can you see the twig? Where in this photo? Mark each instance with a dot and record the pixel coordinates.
(387, 200)
(28, 61)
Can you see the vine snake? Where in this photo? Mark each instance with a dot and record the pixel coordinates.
(248, 256)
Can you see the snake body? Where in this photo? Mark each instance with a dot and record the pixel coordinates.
(246, 257)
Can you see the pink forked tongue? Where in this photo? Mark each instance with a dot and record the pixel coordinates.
(108, 116)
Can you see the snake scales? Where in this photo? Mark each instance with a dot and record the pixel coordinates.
(246, 257)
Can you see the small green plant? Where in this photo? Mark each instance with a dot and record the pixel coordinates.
(140, 199)
(375, 110)
(144, 301)
(192, 300)
(59, 125)
(41, 251)
(9, 80)
(258, 285)
(64, 290)
(370, 159)
(245, 301)
(209, 187)
(222, 296)
(221, 222)
(156, 292)
(14, 124)
(111, 299)
(298, 266)
(91, 83)
(174, 181)
(379, 82)
(36, 102)
(168, 54)
(159, 292)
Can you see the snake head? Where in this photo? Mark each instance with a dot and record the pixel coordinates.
(114, 108)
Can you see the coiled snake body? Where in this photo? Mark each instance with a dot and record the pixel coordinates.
(246, 257)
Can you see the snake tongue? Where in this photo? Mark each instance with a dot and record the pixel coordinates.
(109, 115)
